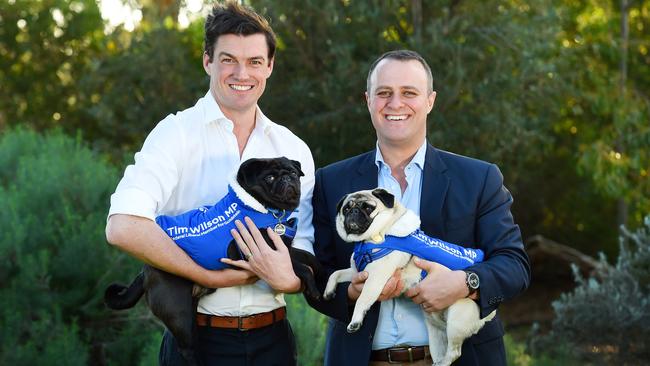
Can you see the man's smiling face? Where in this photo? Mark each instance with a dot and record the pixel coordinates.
(238, 71)
(399, 102)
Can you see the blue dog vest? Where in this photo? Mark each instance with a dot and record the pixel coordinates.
(420, 245)
(204, 233)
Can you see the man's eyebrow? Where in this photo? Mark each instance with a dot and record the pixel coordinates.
(223, 53)
(404, 87)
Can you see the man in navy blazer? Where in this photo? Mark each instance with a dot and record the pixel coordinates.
(460, 200)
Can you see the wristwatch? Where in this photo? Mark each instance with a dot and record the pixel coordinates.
(472, 282)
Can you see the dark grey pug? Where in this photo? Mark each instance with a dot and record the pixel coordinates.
(275, 183)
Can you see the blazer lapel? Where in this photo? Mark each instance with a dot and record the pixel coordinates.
(366, 177)
(434, 190)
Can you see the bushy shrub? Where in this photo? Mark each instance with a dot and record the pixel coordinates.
(607, 316)
(54, 195)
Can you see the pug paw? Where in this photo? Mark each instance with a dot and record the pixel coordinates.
(353, 327)
(330, 290)
(311, 291)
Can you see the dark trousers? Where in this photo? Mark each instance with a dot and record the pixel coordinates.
(268, 346)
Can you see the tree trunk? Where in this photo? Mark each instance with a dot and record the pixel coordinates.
(625, 7)
(416, 14)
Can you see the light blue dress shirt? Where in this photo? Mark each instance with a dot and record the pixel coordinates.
(401, 321)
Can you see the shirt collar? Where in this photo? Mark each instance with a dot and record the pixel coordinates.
(418, 158)
(212, 113)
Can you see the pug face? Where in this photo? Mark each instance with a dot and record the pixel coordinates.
(365, 215)
(275, 182)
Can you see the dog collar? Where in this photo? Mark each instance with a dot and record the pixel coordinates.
(420, 245)
(204, 233)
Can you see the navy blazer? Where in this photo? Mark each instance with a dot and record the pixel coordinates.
(463, 201)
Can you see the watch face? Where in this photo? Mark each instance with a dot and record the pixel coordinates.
(472, 280)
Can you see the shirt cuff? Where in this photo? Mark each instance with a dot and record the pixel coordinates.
(304, 244)
(133, 202)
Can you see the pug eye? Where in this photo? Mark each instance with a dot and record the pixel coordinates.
(269, 179)
(294, 175)
(367, 208)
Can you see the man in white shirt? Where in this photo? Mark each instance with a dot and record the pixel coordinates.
(185, 162)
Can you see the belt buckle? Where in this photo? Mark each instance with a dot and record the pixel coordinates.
(240, 324)
(390, 350)
(408, 349)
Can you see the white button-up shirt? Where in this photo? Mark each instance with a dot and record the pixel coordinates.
(185, 163)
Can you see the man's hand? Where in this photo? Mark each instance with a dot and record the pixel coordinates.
(441, 288)
(392, 288)
(273, 266)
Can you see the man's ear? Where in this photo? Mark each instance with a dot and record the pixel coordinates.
(384, 196)
(338, 205)
(206, 62)
(431, 99)
(270, 65)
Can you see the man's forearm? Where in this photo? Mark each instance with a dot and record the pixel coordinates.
(145, 240)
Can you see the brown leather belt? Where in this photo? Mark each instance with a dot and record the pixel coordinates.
(242, 322)
(400, 354)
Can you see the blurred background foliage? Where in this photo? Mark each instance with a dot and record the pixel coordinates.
(556, 92)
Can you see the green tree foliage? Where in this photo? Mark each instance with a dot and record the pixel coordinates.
(45, 47)
(128, 90)
(607, 316)
(54, 193)
(607, 111)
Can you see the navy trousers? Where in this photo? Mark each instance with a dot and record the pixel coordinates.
(273, 345)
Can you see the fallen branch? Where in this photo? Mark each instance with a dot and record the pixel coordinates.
(539, 245)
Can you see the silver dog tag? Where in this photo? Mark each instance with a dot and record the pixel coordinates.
(279, 229)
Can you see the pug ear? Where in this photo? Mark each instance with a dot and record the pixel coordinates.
(297, 165)
(384, 196)
(338, 205)
(247, 170)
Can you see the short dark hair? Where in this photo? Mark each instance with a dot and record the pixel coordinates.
(402, 55)
(233, 18)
